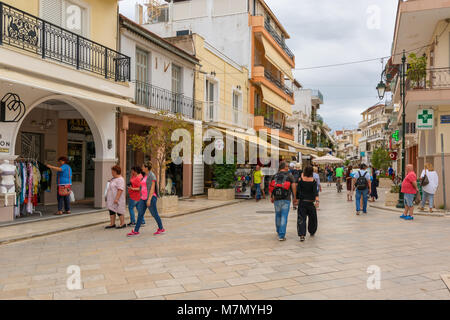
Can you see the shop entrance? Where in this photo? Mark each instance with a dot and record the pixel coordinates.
(50, 130)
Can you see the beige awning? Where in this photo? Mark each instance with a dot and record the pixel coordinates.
(61, 88)
(276, 101)
(297, 146)
(277, 60)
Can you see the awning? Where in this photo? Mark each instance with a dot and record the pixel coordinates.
(60, 88)
(277, 60)
(275, 101)
(297, 146)
(258, 141)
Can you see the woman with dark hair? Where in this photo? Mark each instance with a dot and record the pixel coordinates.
(374, 185)
(149, 197)
(349, 181)
(133, 191)
(308, 197)
(64, 182)
(115, 198)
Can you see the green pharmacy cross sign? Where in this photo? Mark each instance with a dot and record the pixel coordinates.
(396, 135)
(425, 119)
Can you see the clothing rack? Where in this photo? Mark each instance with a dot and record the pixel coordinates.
(32, 160)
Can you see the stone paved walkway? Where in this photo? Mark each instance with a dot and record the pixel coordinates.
(233, 253)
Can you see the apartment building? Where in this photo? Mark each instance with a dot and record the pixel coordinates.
(423, 27)
(62, 80)
(347, 144)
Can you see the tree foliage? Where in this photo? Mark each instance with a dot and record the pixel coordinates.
(417, 70)
(380, 159)
(157, 141)
(224, 175)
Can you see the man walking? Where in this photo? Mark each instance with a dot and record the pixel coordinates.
(363, 188)
(280, 189)
(339, 175)
(409, 190)
(257, 180)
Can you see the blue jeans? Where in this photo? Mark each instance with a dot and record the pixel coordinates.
(430, 199)
(131, 205)
(142, 207)
(365, 195)
(63, 201)
(258, 191)
(282, 208)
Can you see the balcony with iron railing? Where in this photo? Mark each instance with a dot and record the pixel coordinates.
(278, 83)
(281, 42)
(268, 123)
(159, 99)
(26, 32)
(221, 114)
(430, 79)
(378, 120)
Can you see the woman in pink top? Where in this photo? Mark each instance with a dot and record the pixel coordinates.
(134, 192)
(115, 198)
(149, 197)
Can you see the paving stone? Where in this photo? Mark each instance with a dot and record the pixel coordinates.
(235, 290)
(266, 294)
(146, 293)
(247, 280)
(195, 295)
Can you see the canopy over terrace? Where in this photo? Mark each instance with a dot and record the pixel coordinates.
(328, 159)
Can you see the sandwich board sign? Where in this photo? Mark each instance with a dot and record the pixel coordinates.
(425, 119)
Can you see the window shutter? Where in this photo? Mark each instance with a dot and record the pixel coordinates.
(51, 11)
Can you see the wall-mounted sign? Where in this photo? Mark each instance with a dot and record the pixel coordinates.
(445, 119)
(78, 126)
(393, 156)
(4, 146)
(12, 109)
(425, 119)
(396, 135)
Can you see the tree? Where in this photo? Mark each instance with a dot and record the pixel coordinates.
(224, 175)
(157, 141)
(380, 159)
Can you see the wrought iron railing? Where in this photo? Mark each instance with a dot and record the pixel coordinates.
(278, 83)
(29, 33)
(436, 78)
(156, 98)
(278, 38)
(378, 120)
(275, 125)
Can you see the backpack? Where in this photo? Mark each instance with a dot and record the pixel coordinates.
(361, 182)
(280, 187)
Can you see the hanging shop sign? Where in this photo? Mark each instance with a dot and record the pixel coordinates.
(12, 109)
(445, 119)
(78, 126)
(393, 156)
(425, 119)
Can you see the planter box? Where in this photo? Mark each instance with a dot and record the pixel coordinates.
(221, 194)
(391, 199)
(386, 183)
(167, 205)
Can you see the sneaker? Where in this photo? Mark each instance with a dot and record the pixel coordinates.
(409, 218)
(132, 233)
(159, 231)
(302, 238)
(357, 213)
(282, 239)
(121, 227)
(403, 216)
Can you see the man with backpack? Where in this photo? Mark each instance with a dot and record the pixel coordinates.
(363, 188)
(280, 188)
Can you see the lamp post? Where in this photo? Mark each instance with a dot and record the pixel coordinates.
(381, 88)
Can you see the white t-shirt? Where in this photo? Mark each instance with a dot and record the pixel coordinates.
(433, 179)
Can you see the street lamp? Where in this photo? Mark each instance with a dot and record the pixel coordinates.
(381, 88)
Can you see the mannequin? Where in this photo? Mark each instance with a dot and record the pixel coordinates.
(7, 175)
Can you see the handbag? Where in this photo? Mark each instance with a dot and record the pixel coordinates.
(64, 190)
(424, 180)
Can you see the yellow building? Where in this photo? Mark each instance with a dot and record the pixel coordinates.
(220, 84)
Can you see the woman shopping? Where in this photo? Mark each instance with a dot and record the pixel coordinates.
(134, 188)
(430, 182)
(149, 197)
(64, 182)
(115, 199)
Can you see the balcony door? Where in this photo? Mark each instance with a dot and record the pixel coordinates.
(237, 109)
(176, 89)
(143, 93)
(210, 98)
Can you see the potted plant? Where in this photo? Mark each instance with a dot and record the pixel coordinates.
(224, 182)
(417, 70)
(157, 142)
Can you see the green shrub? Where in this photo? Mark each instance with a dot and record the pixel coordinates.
(224, 175)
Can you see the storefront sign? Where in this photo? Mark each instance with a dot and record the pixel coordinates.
(12, 109)
(78, 126)
(445, 119)
(393, 156)
(425, 119)
(4, 146)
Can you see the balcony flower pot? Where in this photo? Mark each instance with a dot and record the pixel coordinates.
(221, 194)
(167, 205)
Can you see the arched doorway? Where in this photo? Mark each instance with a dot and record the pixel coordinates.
(55, 127)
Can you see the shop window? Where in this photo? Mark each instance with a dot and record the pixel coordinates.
(75, 156)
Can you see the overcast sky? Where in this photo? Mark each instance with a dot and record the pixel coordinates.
(325, 32)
